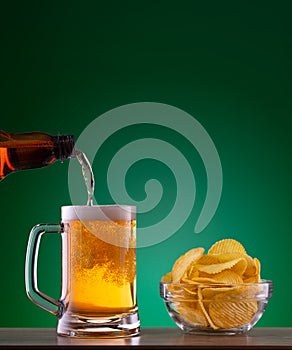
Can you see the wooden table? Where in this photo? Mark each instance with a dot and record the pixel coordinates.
(150, 338)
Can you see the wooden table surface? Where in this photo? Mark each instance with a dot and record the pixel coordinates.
(150, 338)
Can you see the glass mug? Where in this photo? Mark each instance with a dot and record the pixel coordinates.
(98, 297)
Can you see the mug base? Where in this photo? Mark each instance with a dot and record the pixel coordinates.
(117, 326)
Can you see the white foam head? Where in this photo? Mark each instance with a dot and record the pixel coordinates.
(98, 212)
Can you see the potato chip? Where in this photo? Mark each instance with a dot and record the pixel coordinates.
(238, 293)
(184, 261)
(228, 277)
(191, 272)
(225, 314)
(253, 279)
(186, 280)
(224, 257)
(200, 280)
(258, 266)
(216, 268)
(227, 246)
(192, 314)
(251, 268)
(167, 277)
(256, 277)
(250, 291)
(231, 293)
(209, 293)
(192, 291)
(206, 314)
(209, 259)
(179, 293)
(240, 267)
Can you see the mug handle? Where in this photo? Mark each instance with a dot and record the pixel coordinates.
(31, 266)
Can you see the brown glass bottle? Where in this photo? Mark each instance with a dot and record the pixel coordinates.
(32, 150)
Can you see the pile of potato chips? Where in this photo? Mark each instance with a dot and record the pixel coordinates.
(216, 289)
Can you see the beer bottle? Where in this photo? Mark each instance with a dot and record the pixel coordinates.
(32, 150)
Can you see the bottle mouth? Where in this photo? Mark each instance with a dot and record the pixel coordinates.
(65, 146)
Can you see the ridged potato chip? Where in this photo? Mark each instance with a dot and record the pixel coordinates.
(209, 293)
(257, 265)
(253, 276)
(253, 279)
(192, 313)
(200, 280)
(184, 261)
(167, 277)
(180, 293)
(226, 314)
(191, 291)
(209, 259)
(205, 312)
(228, 277)
(191, 272)
(216, 268)
(227, 246)
(251, 266)
(240, 267)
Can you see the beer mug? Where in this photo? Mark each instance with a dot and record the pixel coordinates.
(98, 294)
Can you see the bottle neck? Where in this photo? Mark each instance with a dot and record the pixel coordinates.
(64, 146)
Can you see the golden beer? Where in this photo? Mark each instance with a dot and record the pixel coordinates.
(100, 279)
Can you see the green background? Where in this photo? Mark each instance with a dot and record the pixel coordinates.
(227, 63)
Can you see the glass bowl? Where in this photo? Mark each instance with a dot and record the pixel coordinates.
(216, 308)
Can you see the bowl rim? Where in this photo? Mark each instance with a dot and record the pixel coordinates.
(204, 284)
(267, 284)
